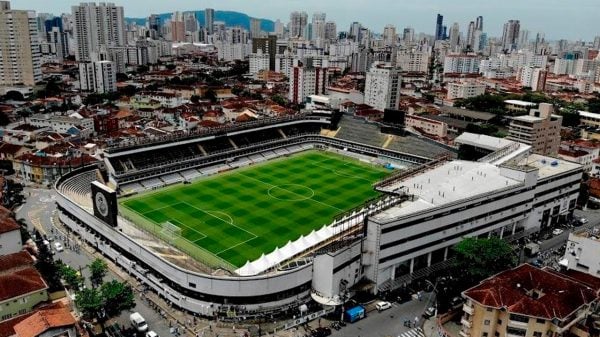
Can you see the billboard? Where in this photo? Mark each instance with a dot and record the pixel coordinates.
(105, 203)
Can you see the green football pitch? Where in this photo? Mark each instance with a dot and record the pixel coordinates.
(233, 217)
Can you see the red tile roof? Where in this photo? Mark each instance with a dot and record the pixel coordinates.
(18, 277)
(513, 289)
(44, 320)
(7, 222)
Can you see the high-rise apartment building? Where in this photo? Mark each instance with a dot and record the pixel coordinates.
(19, 49)
(471, 34)
(307, 79)
(154, 27)
(268, 46)
(190, 22)
(330, 30)
(298, 22)
(255, 30)
(533, 77)
(209, 20)
(389, 35)
(479, 23)
(408, 35)
(318, 26)
(510, 34)
(98, 76)
(97, 27)
(177, 27)
(382, 88)
(455, 37)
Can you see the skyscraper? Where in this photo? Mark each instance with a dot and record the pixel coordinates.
(190, 22)
(209, 19)
(318, 26)
(19, 50)
(408, 35)
(154, 26)
(382, 88)
(330, 30)
(471, 34)
(389, 35)
(255, 30)
(479, 23)
(510, 34)
(439, 28)
(97, 27)
(177, 27)
(298, 21)
(455, 36)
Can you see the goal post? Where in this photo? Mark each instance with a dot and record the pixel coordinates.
(170, 231)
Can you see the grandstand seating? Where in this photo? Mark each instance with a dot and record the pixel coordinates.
(357, 130)
(79, 189)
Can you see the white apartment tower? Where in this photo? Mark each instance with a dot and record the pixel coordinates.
(533, 77)
(99, 76)
(19, 49)
(97, 27)
(382, 88)
(209, 20)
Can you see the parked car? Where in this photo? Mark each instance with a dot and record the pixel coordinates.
(138, 322)
(430, 312)
(151, 333)
(58, 247)
(456, 302)
(383, 305)
(321, 332)
(557, 231)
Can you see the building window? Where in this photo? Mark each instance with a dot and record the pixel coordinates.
(537, 334)
(516, 331)
(192, 285)
(485, 334)
(540, 321)
(486, 322)
(499, 322)
(519, 318)
(489, 309)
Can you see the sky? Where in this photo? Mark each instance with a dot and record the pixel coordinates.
(558, 19)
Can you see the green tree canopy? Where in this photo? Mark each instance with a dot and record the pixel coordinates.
(117, 296)
(71, 276)
(89, 301)
(98, 269)
(478, 259)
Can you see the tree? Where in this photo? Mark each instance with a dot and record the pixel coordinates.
(71, 276)
(117, 296)
(89, 301)
(594, 105)
(98, 269)
(279, 100)
(477, 259)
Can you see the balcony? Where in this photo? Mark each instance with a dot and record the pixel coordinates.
(466, 323)
(468, 309)
(518, 324)
(463, 333)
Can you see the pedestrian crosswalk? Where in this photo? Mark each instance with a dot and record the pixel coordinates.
(416, 332)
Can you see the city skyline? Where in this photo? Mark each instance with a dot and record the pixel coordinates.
(535, 15)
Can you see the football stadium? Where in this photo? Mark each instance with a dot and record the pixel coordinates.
(256, 219)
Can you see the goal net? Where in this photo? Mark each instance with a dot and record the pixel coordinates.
(170, 231)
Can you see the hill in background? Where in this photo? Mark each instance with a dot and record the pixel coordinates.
(230, 18)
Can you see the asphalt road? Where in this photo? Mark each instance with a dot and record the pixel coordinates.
(38, 211)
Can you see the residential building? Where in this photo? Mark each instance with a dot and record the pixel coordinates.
(22, 285)
(98, 76)
(48, 322)
(526, 301)
(533, 77)
(389, 35)
(268, 46)
(510, 35)
(382, 88)
(330, 30)
(209, 19)
(540, 129)
(461, 64)
(582, 251)
(307, 79)
(518, 106)
(20, 58)
(255, 30)
(258, 61)
(464, 90)
(439, 28)
(413, 61)
(75, 125)
(177, 27)
(427, 126)
(10, 233)
(589, 119)
(298, 22)
(97, 27)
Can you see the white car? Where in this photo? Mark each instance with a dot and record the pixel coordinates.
(382, 305)
(151, 333)
(58, 247)
(557, 231)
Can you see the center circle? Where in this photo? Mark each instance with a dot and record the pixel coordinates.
(291, 192)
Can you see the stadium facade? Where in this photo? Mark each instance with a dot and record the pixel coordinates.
(424, 211)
